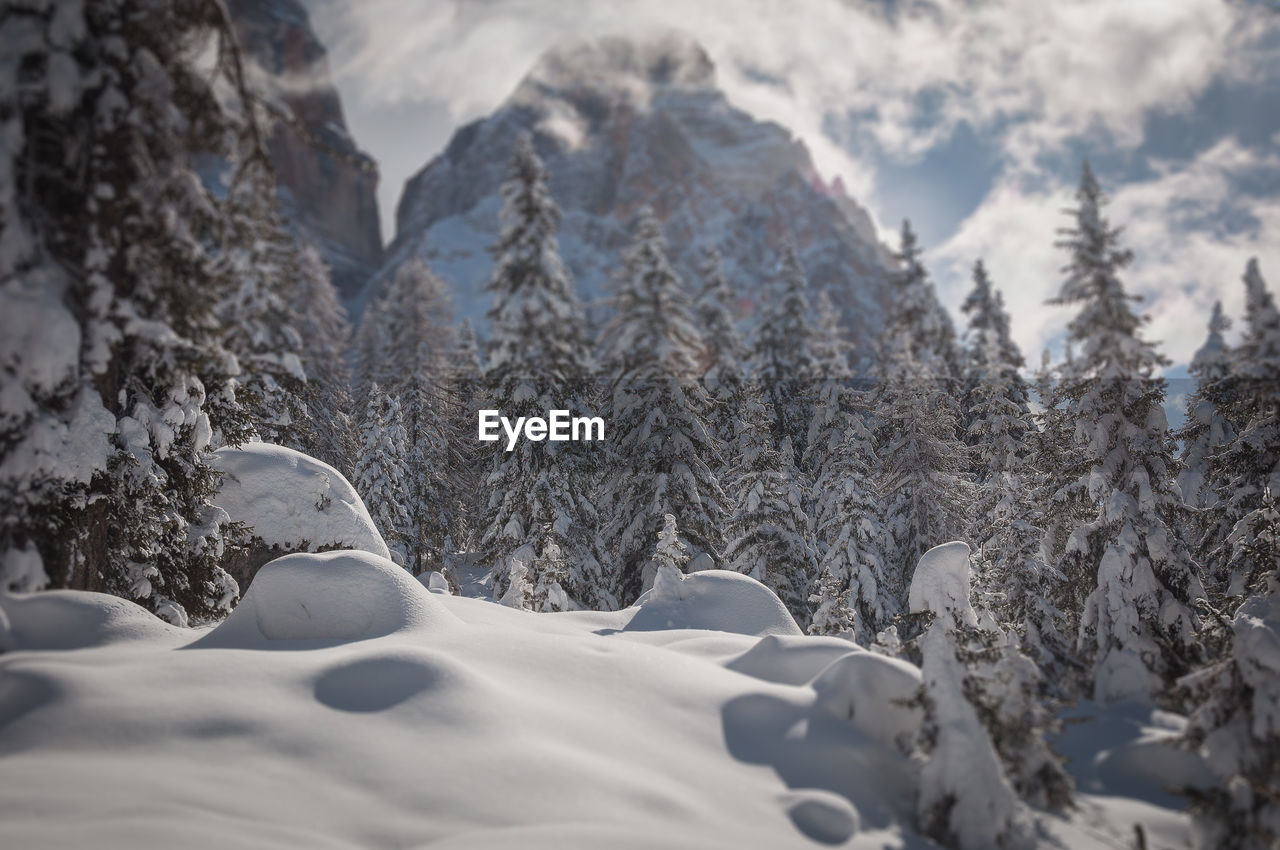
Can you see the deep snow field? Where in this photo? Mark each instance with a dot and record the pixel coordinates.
(344, 705)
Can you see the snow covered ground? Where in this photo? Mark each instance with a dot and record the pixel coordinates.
(343, 705)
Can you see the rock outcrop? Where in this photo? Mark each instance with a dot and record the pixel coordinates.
(328, 186)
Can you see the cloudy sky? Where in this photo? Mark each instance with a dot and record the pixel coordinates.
(968, 117)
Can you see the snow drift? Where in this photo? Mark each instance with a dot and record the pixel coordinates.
(345, 705)
(293, 501)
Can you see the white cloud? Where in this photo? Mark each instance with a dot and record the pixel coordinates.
(1030, 77)
(1185, 256)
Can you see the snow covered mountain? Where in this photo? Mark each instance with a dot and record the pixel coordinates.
(328, 186)
(624, 122)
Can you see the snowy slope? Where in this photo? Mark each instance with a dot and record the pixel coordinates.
(625, 122)
(342, 705)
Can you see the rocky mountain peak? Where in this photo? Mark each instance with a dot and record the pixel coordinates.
(626, 122)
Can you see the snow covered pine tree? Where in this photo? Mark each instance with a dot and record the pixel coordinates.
(1137, 626)
(111, 246)
(659, 411)
(538, 494)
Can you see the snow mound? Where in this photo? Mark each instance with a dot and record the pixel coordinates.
(941, 584)
(873, 693)
(74, 619)
(293, 501)
(435, 582)
(340, 596)
(790, 660)
(714, 600)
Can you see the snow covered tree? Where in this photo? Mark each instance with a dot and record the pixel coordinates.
(670, 554)
(918, 328)
(826, 389)
(990, 346)
(921, 461)
(853, 594)
(1207, 430)
(664, 448)
(724, 372)
(256, 313)
(781, 355)
(1011, 574)
(470, 456)
(1249, 465)
(1137, 625)
(539, 360)
(407, 338)
(1236, 723)
(518, 587)
(111, 238)
(382, 472)
(920, 468)
(966, 800)
(322, 322)
(983, 697)
(768, 532)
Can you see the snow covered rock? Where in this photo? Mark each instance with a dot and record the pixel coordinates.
(71, 619)
(341, 596)
(874, 693)
(941, 584)
(718, 600)
(292, 502)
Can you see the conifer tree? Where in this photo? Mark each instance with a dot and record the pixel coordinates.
(920, 460)
(1049, 630)
(1207, 430)
(724, 373)
(407, 339)
(966, 800)
(1011, 576)
(665, 450)
(539, 360)
(1137, 627)
(552, 572)
(1235, 726)
(985, 722)
(853, 594)
(918, 328)
(256, 314)
(325, 330)
(670, 555)
(782, 359)
(826, 390)
(768, 539)
(382, 472)
(108, 236)
(1249, 465)
(467, 375)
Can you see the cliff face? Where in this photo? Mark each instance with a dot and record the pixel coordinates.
(328, 186)
(622, 123)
